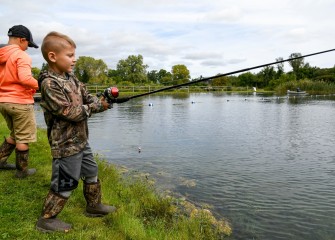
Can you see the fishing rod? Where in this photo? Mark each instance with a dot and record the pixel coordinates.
(112, 93)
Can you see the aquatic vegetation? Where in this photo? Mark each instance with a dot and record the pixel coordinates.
(311, 87)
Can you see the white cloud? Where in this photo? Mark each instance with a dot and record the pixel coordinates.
(229, 14)
(203, 55)
(209, 37)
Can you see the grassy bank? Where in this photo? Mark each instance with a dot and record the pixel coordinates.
(142, 212)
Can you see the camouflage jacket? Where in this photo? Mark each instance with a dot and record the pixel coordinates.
(67, 105)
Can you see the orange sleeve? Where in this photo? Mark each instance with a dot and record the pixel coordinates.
(24, 72)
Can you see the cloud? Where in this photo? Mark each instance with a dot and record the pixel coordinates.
(204, 35)
(230, 14)
(202, 55)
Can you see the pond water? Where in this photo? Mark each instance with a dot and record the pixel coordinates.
(267, 164)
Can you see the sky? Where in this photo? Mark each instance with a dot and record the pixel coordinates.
(208, 37)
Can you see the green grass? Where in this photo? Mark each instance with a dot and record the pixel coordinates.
(142, 213)
(311, 87)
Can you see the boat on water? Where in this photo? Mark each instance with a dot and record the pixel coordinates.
(298, 92)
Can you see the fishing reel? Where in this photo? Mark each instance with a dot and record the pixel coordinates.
(111, 95)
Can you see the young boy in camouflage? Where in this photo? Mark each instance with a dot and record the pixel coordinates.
(67, 105)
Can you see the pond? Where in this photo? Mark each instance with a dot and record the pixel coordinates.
(265, 163)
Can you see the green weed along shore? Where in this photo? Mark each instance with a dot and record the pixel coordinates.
(142, 213)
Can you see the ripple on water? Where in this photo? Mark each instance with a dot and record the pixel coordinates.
(268, 167)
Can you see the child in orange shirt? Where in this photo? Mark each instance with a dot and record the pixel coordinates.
(17, 87)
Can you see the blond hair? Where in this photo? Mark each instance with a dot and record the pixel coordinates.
(55, 42)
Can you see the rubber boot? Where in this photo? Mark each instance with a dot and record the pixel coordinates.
(94, 207)
(53, 205)
(6, 150)
(22, 164)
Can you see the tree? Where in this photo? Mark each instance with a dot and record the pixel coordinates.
(280, 67)
(180, 74)
(281, 80)
(164, 74)
(90, 70)
(220, 81)
(114, 75)
(296, 64)
(266, 75)
(247, 79)
(44, 66)
(153, 76)
(35, 72)
(325, 74)
(307, 71)
(132, 69)
(85, 77)
(166, 79)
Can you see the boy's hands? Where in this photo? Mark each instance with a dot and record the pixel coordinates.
(105, 104)
(108, 103)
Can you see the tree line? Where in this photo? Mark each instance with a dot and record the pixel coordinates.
(133, 71)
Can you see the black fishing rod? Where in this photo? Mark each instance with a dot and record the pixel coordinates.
(112, 93)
